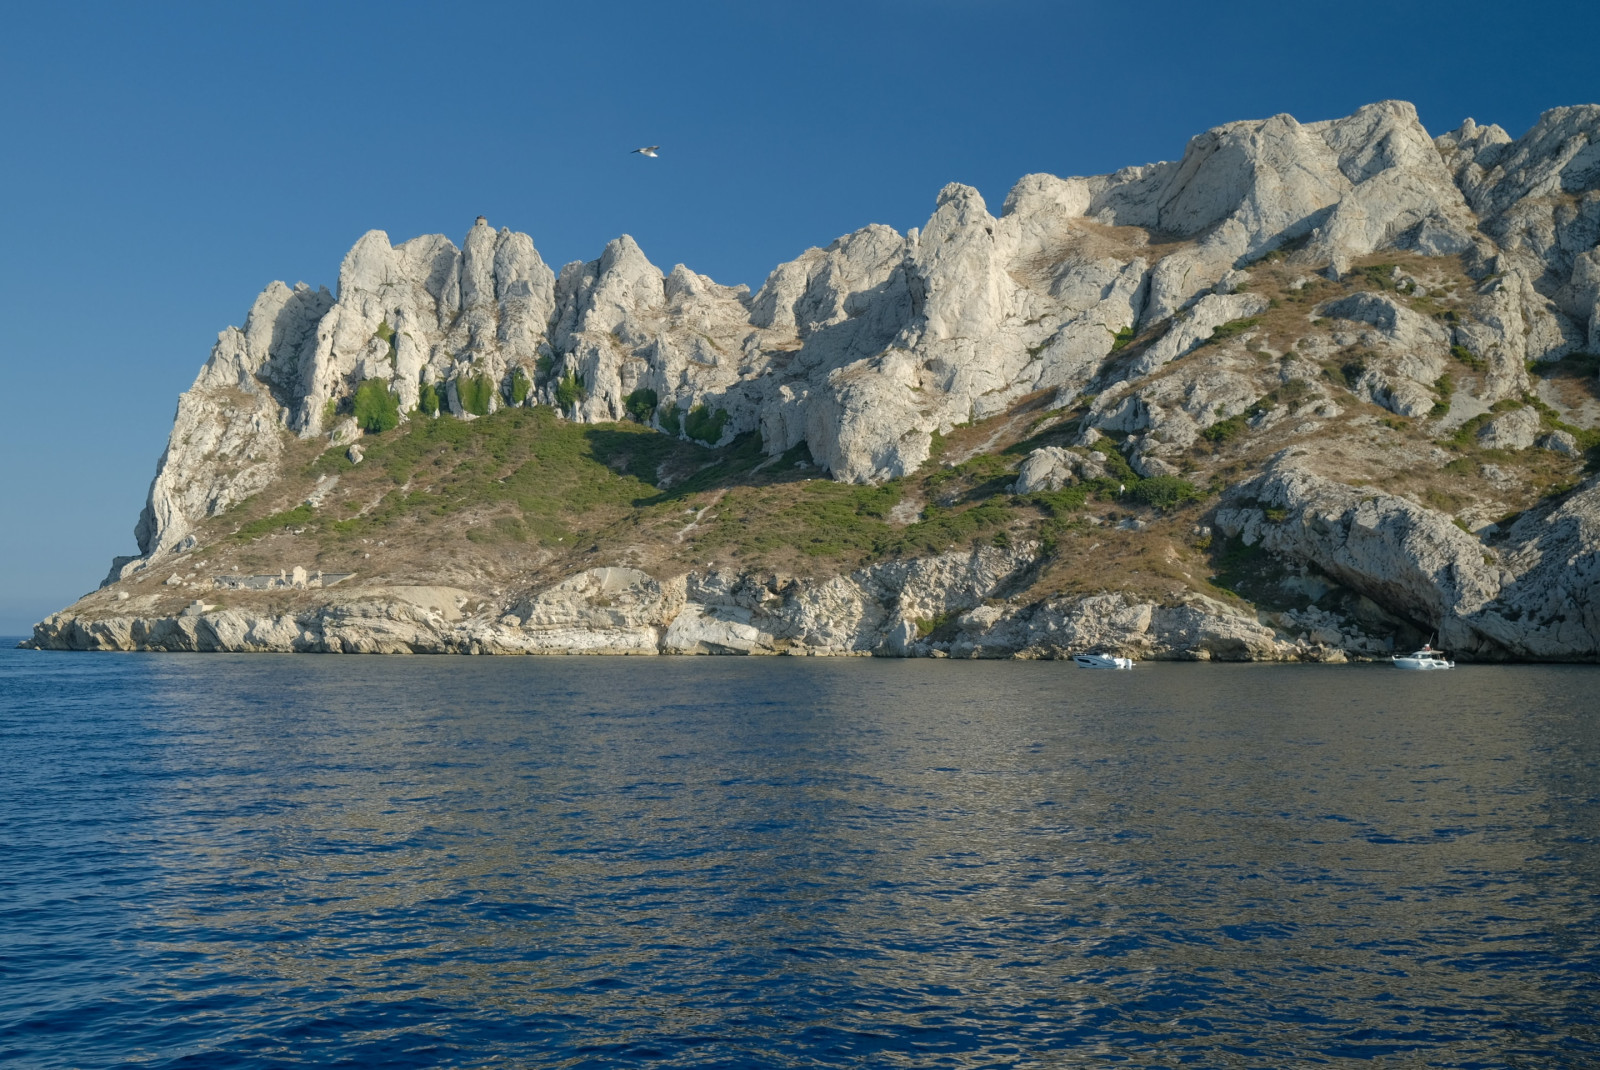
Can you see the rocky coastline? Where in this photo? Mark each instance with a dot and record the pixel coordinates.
(926, 608)
(1314, 391)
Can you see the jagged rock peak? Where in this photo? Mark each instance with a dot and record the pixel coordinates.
(867, 348)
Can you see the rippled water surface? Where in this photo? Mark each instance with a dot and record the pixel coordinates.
(219, 861)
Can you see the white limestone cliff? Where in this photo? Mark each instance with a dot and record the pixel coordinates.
(1536, 599)
(866, 349)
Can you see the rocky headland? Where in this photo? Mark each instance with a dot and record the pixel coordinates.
(1312, 391)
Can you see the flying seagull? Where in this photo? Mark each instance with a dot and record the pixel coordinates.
(648, 150)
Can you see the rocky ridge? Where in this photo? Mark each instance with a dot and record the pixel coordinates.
(1349, 349)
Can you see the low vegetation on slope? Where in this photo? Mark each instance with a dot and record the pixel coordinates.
(523, 494)
(524, 498)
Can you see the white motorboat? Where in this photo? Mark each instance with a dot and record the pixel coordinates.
(1426, 658)
(1102, 661)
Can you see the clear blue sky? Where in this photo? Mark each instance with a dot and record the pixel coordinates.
(164, 162)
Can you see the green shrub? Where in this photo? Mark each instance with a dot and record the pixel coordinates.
(1588, 439)
(875, 502)
(521, 386)
(641, 404)
(1443, 501)
(1225, 431)
(474, 391)
(428, 402)
(1445, 386)
(386, 332)
(569, 391)
(1549, 418)
(1122, 338)
(1295, 390)
(705, 425)
(377, 408)
(1349, 373)
(1378, 275)
(940, 529)
(1575, 365)
(1468, 357)
(1063, 502)
(1467, 433)
(1165, 492)
(329, 411)
(672, 419)
(1232, 329)
(973, 473)
(1241, 568)
(1116, 463)
(300, 514)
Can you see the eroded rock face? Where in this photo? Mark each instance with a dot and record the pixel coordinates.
(1537, 199)
(1514, 430)
(1535, 599)
(1511, 324)
(1202, 630)
(886, 609)
(1560, 442)
(1391, 550)
(1194, 328)
(1348, 186)
(1052, 467)
(1410, 348)
(865, 349)
(1167, 414)
(603, 610)
(227, 438)
(607, 610)
(1548, 605)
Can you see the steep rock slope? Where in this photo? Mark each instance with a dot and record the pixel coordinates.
(1200, 321)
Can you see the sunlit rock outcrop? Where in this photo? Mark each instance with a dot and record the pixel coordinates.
(1132, 296)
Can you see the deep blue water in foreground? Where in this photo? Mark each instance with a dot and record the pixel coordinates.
(266, 861)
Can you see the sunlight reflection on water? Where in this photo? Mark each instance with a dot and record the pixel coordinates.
(593, 862)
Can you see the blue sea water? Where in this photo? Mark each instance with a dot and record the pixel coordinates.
(281, 861)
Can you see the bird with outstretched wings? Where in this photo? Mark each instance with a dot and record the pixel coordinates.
(648, 150)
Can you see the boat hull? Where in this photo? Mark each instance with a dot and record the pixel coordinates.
(1422, 664)
(1101, 661)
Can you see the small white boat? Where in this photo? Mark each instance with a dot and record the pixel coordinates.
(1426, 658)
(1102, 661)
